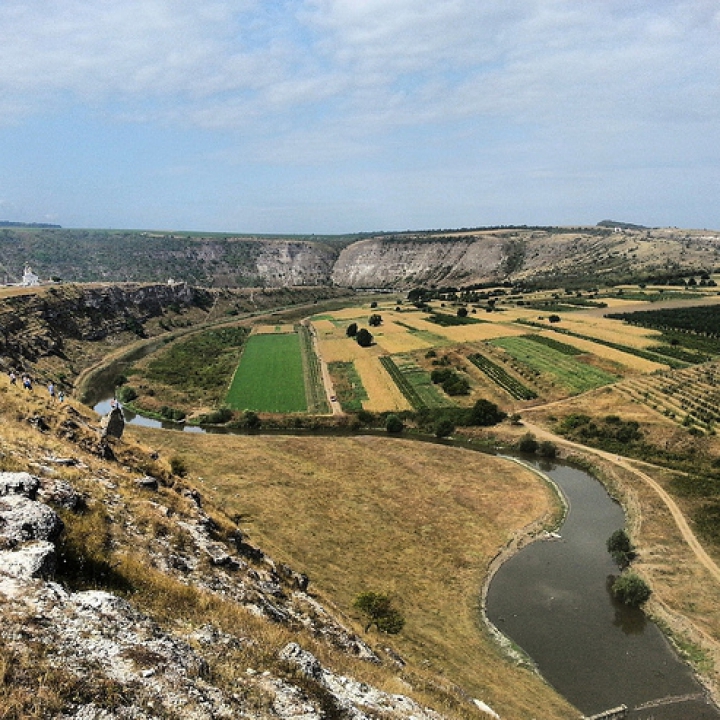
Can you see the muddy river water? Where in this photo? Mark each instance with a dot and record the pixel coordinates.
(553, 599)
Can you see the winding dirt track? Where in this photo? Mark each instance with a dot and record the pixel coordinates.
(624, 463)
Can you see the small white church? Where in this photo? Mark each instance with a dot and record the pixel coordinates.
(29, 278)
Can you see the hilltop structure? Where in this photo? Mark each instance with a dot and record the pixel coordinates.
(29, 278)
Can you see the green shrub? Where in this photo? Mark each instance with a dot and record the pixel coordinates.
(528, 444)
(631, 589)
(547, 449)
(621, 549)
(178, 466)
(485, 413)
(127, 393)
(216, 417)
(378, 611)
(444, 428)
(393, 424)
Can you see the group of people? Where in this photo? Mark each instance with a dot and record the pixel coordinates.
(27, 384)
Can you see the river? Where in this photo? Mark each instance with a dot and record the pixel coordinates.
(553, 599)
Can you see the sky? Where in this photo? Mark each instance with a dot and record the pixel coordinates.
(339, 116)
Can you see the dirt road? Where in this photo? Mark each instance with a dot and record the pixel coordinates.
(624, 463)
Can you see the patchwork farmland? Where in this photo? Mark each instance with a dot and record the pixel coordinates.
(423, 359)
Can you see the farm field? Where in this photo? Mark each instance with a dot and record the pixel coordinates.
(631, 362)
(270, 375)
(414, 383)
(546, 362)
(407, 335)
(572, 374)
(690, 396)
(348, 386)
(383, 394)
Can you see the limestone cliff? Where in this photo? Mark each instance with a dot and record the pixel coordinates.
(33, 325)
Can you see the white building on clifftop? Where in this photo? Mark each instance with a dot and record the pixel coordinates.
(29, 278)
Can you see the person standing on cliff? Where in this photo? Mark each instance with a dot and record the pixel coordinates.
(13, 377)
(51, 391)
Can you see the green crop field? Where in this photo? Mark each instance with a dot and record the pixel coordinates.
(415, 383)
(572, 374)
(269, 377)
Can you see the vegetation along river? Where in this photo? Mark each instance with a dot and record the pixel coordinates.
(553, 599)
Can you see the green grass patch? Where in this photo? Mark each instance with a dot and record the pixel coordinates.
(561, 347)
(645, 354)
(270, 376)
(200, 366)
(348, 386)
(446, 320)
(572, 374)
(415, 383)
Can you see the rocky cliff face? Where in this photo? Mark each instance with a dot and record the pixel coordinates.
(34, 325)
(453, 258)
(386, 263)
(92, 654)
(550, 256)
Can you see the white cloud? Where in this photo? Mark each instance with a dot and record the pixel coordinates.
(220, 63)
(477, 88)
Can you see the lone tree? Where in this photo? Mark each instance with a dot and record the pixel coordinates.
(352, 329)
(631, 589)
(444, 428)
(462, 312)
(393, 424)
(378, 611)
(375, 320)
(364, 337)
(528, 444)
(621, 549)
(485, 413)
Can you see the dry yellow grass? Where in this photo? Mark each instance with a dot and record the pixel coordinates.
(481, 332)
(325, 328)
(383, 394)
(393, 338)
(272, 329)
(337, 349)
(610, 330)
(419, 521)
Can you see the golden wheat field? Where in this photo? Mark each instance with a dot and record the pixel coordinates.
(272, 329)
(383, 394)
